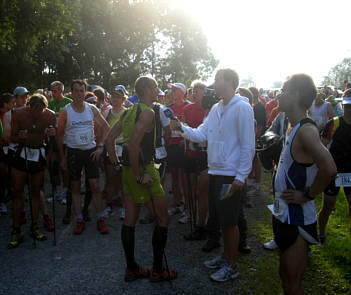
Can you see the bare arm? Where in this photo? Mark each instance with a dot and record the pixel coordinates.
(110, 138)
(102, 125)
(62, 119)
(167, 134)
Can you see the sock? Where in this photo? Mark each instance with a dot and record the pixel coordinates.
(159, 240)
(128, 242)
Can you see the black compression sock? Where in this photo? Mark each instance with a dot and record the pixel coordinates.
(128, 242)
(159, 240)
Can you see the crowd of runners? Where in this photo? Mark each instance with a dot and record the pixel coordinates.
(212, 140)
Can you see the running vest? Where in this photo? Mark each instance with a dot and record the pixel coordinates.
(293, 175)
(147, 145)
(79, 130)
(319, 114)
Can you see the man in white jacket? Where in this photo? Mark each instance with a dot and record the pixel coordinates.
(229, 131)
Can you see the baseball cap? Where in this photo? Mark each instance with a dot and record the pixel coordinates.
(120, 88)
(346, 100)
(19, 91)
(177, 85)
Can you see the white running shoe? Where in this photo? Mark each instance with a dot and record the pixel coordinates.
(217, 262)
(107, 212)
(271, 245)
(225, 273)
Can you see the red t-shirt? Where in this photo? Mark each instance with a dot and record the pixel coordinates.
(193, 118)
(179, 114)
(270, 106)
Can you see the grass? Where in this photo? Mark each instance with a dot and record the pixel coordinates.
(329, 268)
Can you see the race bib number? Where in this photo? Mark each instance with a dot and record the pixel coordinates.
(119, 150)
(279, 206)
(30, 154)
(160, 153)
(343, 180)
(85, 138)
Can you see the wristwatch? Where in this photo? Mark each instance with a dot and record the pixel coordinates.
(307, 196)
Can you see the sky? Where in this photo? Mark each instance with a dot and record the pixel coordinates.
(269, 40)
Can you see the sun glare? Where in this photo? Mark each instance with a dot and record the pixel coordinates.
(269, 40)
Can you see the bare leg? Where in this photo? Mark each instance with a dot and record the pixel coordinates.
(18, 181)
(231, 243)
(75, 187)
(292, 267)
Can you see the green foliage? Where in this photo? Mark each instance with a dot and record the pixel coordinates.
(106, 42)
(338, 74)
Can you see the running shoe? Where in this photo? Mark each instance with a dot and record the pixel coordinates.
(271, 245)
(49, 200)
(79, 227)
(164, 275)
(16, 239)
(63, 201)
(3, 209)
(107, 212)
(36, 234)
(175, 210)
(244, 248)
(217, 262)
(185, 218)
(225, 273)
(48, 223)
(101, 226)
(138, 273)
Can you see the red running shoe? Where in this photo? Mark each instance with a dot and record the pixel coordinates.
(79, 227)
(48, 223)
(101, 225)
(138, 273)
(162, 276)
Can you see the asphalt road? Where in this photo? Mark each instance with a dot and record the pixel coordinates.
(92, 263)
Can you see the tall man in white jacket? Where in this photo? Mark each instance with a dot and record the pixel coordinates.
(229, 131)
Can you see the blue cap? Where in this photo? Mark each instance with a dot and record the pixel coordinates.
(120, 88)
(19, 91)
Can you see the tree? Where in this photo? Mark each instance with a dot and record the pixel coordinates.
(338, 74)
(247, 82)
(277, 84)
(106, 42)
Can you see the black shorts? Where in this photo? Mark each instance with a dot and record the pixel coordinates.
(3, 156)
(285, 235)
(226, 212)
(333, 190)
(198, 164)
(175, 156)
(77, 159)
(33, 166)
